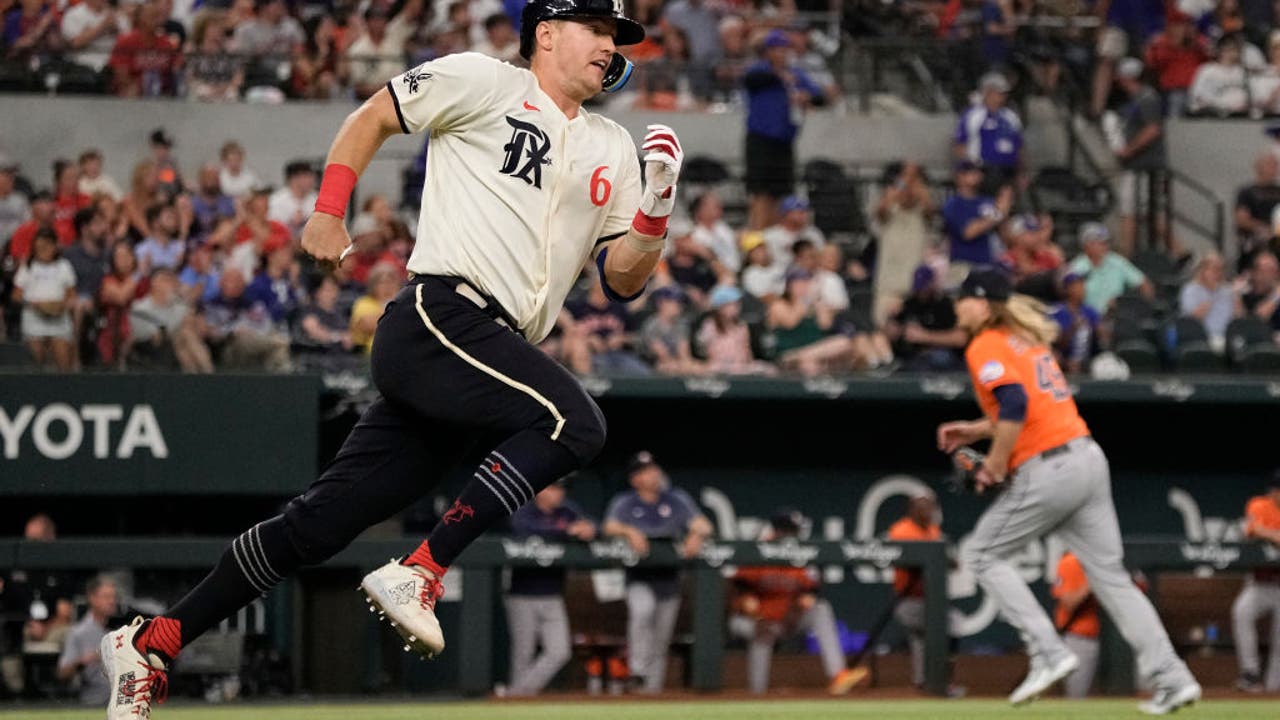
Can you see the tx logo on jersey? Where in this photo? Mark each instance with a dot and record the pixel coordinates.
(526, 152)
(413, 78)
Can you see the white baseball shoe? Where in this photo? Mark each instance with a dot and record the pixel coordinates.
(136, 680)
(1042, 677)
(1168, 700)
(407, 595)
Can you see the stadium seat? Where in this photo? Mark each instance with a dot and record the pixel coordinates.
(1062, 193)
(1251, 347)
(15, 355)
(1190, 348)
(1140, 355)
(704, 170)
(834, 197)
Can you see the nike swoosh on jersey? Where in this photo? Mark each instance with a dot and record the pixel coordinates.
(527, 106)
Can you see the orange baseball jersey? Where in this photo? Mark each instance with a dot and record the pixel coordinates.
(998, 357)
(1071, 579)
(776, 588)
(1261, 512)
(905, 530)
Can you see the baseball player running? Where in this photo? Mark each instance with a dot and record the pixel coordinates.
(1054, 478)
(523, 187)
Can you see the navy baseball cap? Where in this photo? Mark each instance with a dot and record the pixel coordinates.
(967, 165)
(793, 202)
(777, 38)
(986, 284)
(640, 461)
(786, 520)
(668, 292)
(923, 278)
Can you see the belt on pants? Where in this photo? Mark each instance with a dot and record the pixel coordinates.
(1057, 450)
(486, 303)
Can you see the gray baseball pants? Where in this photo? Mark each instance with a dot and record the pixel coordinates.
(819, 620)
(1078, 683)
(651, 620)
(533, 621)
(1255, 601)
(1068, 493)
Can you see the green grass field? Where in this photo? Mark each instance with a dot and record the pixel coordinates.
(694, 710)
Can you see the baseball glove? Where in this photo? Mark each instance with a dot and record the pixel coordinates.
(965, 461)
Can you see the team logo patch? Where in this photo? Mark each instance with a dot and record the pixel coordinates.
(526, 152)
(992, 370)
(413, 78)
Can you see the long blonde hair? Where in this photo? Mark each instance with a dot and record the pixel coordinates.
(1026, 316)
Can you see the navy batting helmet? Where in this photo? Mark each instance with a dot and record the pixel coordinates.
(629, 31)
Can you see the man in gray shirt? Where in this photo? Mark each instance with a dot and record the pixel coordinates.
(14, 208)
(1143, 153)
(80, 656)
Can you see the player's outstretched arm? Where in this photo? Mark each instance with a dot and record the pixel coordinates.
(362, 133)
(632, 257)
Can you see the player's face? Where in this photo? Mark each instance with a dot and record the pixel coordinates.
(582, 50)
(972, 313)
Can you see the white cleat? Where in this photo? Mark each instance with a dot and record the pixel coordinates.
(136, 681)
(406, 596)
(1168, 700)
(1042, 677)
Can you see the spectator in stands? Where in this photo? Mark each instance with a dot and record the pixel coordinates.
(970, 219)
(653, 511)
(736, 52)
(292, 204)
(603, 337)
(315, 67)
(31, 29)
(1261, 293)
(1076, 617)
(168, 173)
(277, 285)
(14, 208)
(989, 134)
(42, 215)
(699, 22)
(144, 192)
(1255, 207)
(162, 327)
(89, 29)
(378, 54)
(1210, 299)
(777, 94)
(693, 265)
(93, 181)
(664, 336)
(924, 331)
(144, 62)
(1032, 257)
(999, 23)
(794, 223)
(804, 330)
(919, 524)
(776, 602)
(45, 286)
(242, 330)
(213, 73)
(80, 659)
(1260, 596)
(236, 179)
(162, 248)
(199, 278)
(384, 283)
(88, 259)
(1264, 82)
(712, 232)
(762, 276)
(1107, 273)
(120, 286)
(209, 204)
(536, 612)
(271, 31)
(41, 599)
(256, 233)
(1077, 326)
(726, 340)
(1220, 87)
(322, 323)
(500, 39)
(1128, 25)
(67, 199)
(1141, 154)
(1173, 57)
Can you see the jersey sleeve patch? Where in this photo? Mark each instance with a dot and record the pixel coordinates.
(990, 371)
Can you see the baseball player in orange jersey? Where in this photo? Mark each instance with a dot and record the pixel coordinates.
(1057, 481)
(1260, 596)
(1077, 618)
(919, 524)
(523, 188)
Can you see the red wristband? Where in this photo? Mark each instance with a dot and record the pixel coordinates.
(652, 226)
(335, 189)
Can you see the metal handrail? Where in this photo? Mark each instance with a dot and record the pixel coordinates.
(1215, 234)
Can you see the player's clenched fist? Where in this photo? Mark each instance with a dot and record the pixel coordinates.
(662, 159)
(325, 237)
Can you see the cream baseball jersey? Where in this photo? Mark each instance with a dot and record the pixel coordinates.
(516, 195)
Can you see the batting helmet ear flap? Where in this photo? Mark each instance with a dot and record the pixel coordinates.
(618, 73)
